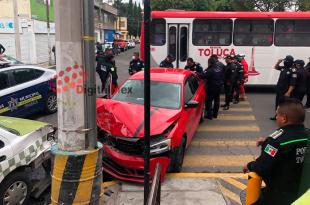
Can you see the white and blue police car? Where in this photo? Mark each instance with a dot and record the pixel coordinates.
(26, 89)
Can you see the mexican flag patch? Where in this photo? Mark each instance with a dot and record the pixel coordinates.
(271, 150)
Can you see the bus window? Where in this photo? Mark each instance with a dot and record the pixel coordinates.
(172, 48)
(250, 32)
(290, 32)
(158, 32)
(212, 32)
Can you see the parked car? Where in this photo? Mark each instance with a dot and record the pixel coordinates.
(121, 43)
(177, 107)
(24, 148)
(26, 89)
(132, 43)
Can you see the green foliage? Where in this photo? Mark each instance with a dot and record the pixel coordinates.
(38, 10)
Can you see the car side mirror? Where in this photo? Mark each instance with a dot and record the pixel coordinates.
(191, 104)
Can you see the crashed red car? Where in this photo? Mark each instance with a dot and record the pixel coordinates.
(177, 105)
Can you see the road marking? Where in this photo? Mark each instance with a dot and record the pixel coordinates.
(235, 183)
(230, 195)
(206, 175)
(239, 109)
(206, 142)
(229, 128)
(237, 117)
(216, 160)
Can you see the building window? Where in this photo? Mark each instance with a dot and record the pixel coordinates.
(158, 32)
(212, 32)
(292, 32)
(253, 32)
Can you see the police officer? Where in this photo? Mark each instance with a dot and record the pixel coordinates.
(136, 64)
(307, 67)
(239, 77)
(229, 80)
(287, 80)
(167, 63)
(282, 156)
(193, 66)
(214, 76)
(301, 81)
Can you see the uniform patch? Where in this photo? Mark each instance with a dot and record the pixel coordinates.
(271, 150)
(288, 72)
(276, 134)
(294, 75)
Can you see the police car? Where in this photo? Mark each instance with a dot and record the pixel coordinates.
(24, 148)
(26, 89)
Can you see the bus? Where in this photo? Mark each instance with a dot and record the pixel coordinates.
(263, 37)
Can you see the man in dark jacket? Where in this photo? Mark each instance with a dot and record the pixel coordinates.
(301, 81)
(239, 77)
(229, 80)
(136, 64)
(287, 80)
(167, 63)
(214, 76)
(307, 67)
(193, 66)
(282, 156)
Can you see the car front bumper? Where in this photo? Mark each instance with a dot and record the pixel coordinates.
(129, 167)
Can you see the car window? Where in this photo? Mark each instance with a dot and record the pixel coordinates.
(26, 74)
(4, 79)
(193, 84)
(188, 94)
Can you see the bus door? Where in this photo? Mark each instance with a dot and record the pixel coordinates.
(178, 43)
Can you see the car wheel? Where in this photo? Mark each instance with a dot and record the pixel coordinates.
(179, 157)
(15, 189)
(51, 103)
(202, 117)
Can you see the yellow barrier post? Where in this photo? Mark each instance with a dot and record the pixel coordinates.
(254, 188)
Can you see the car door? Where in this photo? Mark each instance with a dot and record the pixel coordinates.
(29, 91)
(6, 104)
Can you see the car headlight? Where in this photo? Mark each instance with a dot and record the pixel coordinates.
(160, 145)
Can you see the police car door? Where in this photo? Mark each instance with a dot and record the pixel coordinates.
(178, 43)
(27, 93)
(5, 84)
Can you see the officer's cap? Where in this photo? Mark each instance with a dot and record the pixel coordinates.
(230, 57)
(299, 62)
(289, 58)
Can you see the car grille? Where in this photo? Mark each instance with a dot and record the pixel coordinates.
(133, 146)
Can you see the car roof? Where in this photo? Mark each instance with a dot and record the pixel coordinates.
(23, 66)
(171, 75)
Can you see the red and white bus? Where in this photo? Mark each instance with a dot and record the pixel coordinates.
(264, 37)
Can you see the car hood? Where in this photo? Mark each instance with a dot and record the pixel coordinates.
(127, 120)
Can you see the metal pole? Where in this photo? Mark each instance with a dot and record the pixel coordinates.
(48, 32)
(147, 99)
(16, 29)
(89, 63)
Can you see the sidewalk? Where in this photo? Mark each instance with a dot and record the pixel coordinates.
(175, 191)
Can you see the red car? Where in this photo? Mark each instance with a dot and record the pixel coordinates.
(177, 105)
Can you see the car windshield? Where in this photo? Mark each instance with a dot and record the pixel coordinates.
(13, 131)
(11, 60)
(163, 94)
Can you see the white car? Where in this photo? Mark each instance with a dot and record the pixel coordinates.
(24, 147)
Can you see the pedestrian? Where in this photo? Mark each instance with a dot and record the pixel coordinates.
(136, 64)
(99, 47)
(214, 76)
(282, 156)
(54, 52)
(2, 49)
(301, 81)
(229, 78)
(167, 63)
(245, 76)
(286, 82)
(193, 66)
(239, 77)
(307, 68)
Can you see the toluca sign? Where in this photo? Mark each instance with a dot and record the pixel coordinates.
(216, 50)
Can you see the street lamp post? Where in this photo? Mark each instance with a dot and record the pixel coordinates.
(16, 29)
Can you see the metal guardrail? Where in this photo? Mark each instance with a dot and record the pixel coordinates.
(154, 196)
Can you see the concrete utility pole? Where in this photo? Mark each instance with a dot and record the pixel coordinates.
(77, 171)
(16, 29)
(48, 31)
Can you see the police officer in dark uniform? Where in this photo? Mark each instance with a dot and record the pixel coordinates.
(239, 77)
(229, 80)
(136, 64)
(301, 81)
(193, 66)
(167, 63)
(307, 67)
(214, 76)
(282, 156)
(287, 80)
